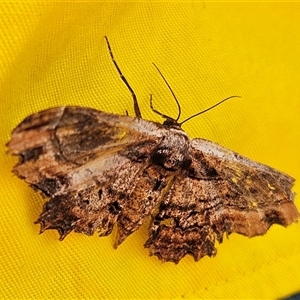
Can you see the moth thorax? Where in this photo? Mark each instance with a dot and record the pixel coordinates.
(173, 152)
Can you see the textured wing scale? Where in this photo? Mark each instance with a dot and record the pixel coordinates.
(102, 169)
(89, 162)
(221, 192)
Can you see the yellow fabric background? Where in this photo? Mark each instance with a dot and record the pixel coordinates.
(54, 54)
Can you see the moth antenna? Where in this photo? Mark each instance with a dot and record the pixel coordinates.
(178, 105)
(203, 111)
(156, 111)
(135, 102)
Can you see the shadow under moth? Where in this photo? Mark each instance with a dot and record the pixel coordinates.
(99, 170)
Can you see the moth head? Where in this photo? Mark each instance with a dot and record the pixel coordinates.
(171, 123)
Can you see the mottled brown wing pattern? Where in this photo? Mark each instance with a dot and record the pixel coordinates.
(221, 192)
(101, 169)
(92, 165)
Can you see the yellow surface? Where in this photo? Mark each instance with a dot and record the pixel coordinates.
(54, 54)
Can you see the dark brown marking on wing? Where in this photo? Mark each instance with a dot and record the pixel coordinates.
(101, 169)
(234, 197)
(31, 154)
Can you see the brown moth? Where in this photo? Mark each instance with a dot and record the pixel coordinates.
(101, 169)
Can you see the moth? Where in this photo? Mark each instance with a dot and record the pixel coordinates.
(101, 170)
